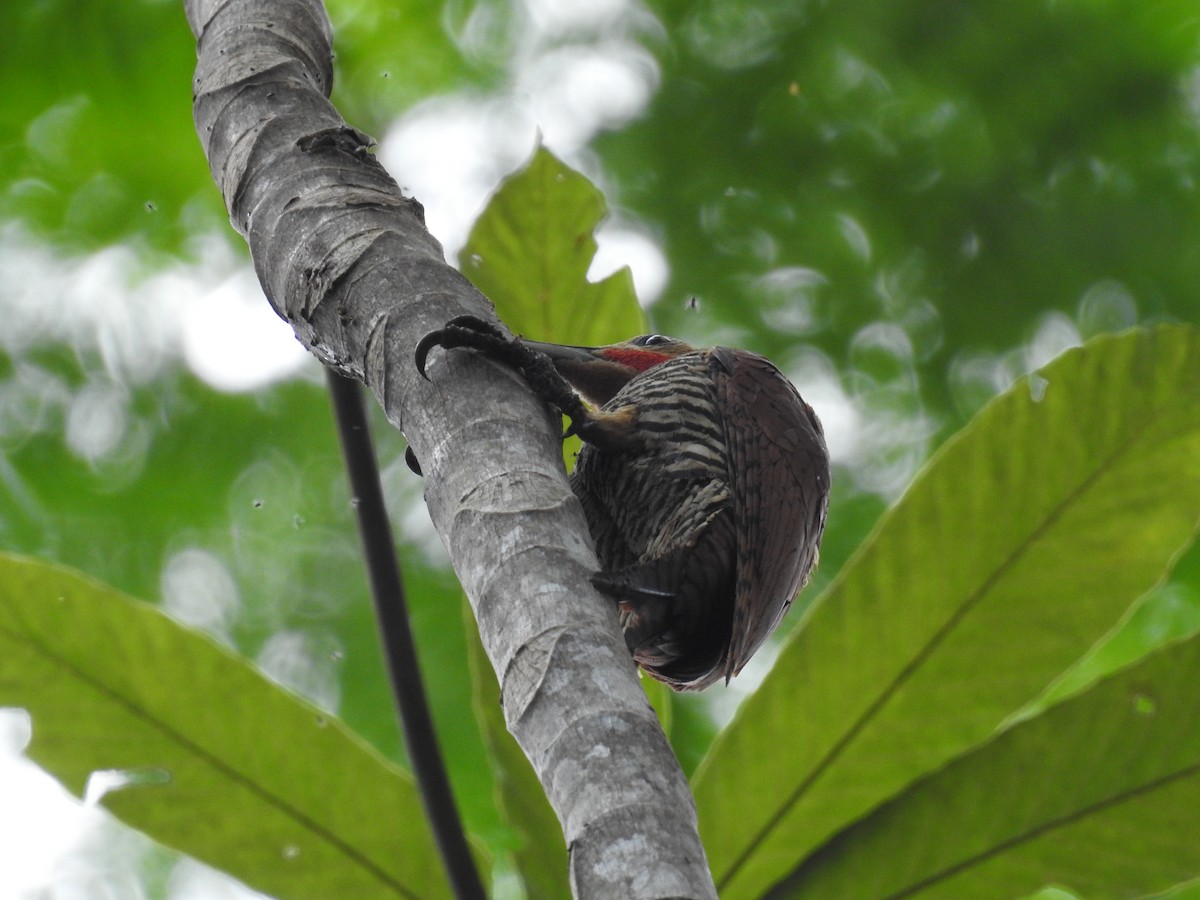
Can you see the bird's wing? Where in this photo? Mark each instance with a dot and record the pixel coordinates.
(779, 472)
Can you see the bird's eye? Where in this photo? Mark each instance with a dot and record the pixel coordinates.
(653, 340)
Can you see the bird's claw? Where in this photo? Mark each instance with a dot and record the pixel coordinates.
(538, 369)
(411, 460)
(461, 331)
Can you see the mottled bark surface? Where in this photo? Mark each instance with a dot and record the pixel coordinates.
(347, 261)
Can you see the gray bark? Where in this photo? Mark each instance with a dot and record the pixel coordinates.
(346, 260)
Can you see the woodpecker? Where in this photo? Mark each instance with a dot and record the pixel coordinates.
(704, 477)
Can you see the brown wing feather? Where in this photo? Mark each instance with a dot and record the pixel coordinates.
(779, 472)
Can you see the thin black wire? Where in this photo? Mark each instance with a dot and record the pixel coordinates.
(400, 650)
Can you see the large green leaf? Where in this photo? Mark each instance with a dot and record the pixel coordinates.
(257, 485)
(239, 773)
(1019, 546)
(530, 252)
(1100, 793)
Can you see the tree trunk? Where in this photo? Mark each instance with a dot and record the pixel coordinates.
(346, 259)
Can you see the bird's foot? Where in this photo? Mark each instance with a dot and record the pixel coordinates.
(607, 429)
(637, 593)
(473, 332)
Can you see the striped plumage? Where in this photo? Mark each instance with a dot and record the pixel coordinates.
(661, 515)
(704, 478)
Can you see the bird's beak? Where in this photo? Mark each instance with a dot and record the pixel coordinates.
(559, 352)
(598, 379)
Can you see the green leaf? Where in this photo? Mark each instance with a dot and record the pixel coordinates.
(541, 852)
(1021, 544)
(1168, 613)
(530, 252)
(1189, 891)
(1100, 794)
(237, 771)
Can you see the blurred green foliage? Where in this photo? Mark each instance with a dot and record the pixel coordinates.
(918, 200)
(992, 159)
(96, 136)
